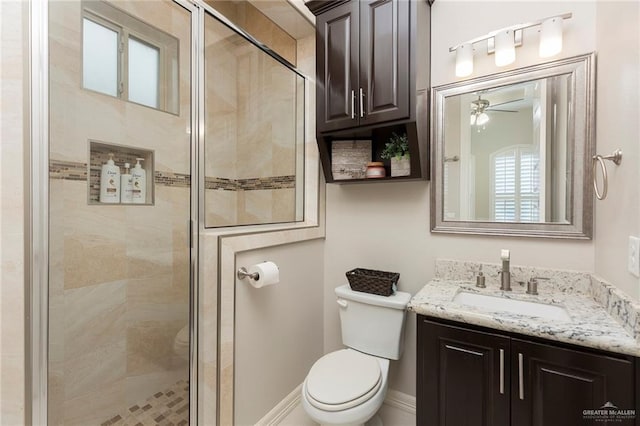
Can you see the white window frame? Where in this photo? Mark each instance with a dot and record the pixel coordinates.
(125, 32)
(517, 195)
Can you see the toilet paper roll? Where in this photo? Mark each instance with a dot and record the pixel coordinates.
(268, 274)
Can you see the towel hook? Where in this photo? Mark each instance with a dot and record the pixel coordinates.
(616, 157)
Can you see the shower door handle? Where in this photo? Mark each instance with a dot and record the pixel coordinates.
(353, 104)
(361, 103)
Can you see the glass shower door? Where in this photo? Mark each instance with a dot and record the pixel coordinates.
(119, 244)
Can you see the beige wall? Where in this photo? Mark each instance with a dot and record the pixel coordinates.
(13, 141)
(386, 225)
(278, 328)
(119, 275)
(618, 110)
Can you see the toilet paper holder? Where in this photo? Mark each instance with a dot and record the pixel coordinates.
(243, 273)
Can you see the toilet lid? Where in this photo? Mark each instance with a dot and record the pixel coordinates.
(343, 379)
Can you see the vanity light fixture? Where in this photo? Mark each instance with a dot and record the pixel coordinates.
(550, 37)
(504, 41)
(505, 48)
(464, 60)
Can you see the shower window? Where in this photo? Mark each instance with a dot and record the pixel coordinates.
(128, 59)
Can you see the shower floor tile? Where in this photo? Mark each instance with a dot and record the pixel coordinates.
(167, 408)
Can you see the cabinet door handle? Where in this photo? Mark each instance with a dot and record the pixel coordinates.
(361, 103)
(502, 371)
(520, 376)
(353, 104)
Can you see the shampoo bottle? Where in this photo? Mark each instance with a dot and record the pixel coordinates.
(139, 180)
(110, 182)
(126, 186)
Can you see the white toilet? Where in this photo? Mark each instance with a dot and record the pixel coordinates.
(348, 386)
(181, 343)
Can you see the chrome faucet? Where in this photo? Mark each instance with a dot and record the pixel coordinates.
(505, 275)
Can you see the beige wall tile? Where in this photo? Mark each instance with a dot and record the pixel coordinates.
(92, 370)
(95, 407)
(94, 317)
(13, 59)
(150, 346)
(283, 205)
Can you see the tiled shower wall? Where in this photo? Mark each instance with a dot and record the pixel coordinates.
(119, 275)
(250, 147)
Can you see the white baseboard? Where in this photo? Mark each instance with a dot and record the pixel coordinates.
(401, 401)
(282, 409)
(398, 400)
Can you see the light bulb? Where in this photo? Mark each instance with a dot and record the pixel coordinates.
(464, 60)
(505, 48)
(551, 37)
(482, 119)
(473, 118)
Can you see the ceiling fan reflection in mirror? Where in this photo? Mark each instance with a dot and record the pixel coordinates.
(480, 107)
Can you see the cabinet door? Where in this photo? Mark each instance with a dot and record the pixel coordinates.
(552, 386)
(337, 67)
(385, 72)
(462, 377)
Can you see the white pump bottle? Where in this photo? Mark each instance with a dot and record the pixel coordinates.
(139, 179)
(110, 182)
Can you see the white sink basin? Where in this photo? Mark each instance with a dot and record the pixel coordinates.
(520, 307)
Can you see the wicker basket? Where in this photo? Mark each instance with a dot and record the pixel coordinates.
(371, 281)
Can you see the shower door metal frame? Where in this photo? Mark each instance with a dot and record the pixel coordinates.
(37, 234)
(37, 347)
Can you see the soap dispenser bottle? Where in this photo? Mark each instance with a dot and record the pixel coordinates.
(139, 179)
(110, 182)
(126, 186)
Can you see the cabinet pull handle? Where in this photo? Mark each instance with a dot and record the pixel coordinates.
(353, 104)
(520, 376)
(361, 103)
(502, 371)
(466, 351)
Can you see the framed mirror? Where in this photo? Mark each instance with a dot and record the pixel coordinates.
(512, 152)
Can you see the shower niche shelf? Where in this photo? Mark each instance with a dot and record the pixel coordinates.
(99, 155)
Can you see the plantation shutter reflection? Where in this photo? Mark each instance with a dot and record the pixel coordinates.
(516, 185)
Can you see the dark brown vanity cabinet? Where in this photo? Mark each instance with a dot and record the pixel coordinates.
(372, 76)
(363, 71)
(463, 377)
(476, 377)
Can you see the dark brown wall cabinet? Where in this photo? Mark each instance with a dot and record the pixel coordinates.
(479, 378)
(372, 72)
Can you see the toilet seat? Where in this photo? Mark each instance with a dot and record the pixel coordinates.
(343, 379)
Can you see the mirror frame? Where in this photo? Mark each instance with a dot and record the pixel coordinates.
(581, 147)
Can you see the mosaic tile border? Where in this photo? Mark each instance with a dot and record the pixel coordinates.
(251, 184)
(169, 407)
(71, 170)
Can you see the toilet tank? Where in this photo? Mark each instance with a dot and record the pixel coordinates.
(373, 324)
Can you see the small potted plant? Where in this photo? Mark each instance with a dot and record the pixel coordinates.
(397, 150)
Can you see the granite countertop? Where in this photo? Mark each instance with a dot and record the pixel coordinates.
(591, 325)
